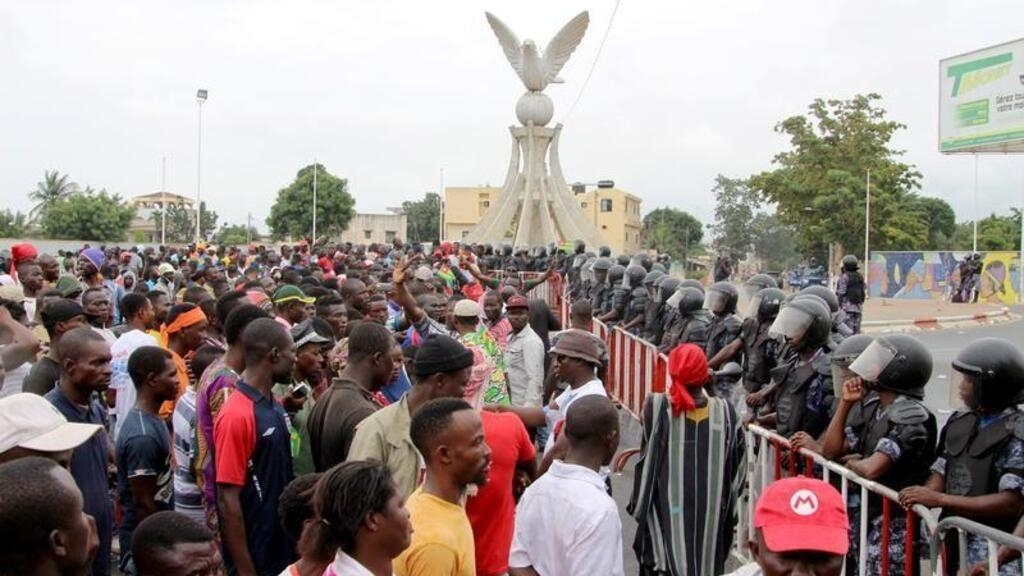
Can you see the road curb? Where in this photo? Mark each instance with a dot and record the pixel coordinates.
(939, 322)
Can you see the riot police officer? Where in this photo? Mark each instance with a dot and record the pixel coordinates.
(604, 252)
(613, 283)
(599, 287)
(720, 300)
(760, 349)
(657, 316)
(642, 307)
(887, 436)
(574, 277)
(851, 290)
(615, 306)
(633, 281)
(979, 471)
(688, 322)
(802, 382)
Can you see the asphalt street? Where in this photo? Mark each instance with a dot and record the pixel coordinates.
(940, 396)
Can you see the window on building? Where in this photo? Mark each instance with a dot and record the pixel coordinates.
(465, 233)
(487, 203)
(604, 226)
(389, 236)
(367, 234)
(583, 204)
(606, 204)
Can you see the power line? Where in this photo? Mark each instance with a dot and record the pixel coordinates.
(593, 65)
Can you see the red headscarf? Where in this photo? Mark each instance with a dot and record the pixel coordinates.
(688, 367)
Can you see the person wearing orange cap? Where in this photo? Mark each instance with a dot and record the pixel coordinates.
(697, 441)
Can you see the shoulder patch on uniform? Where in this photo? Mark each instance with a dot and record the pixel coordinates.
(1018, 425)
(907, 411)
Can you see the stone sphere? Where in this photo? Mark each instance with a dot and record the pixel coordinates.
(535, 107)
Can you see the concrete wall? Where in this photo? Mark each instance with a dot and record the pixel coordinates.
(375, 228)
(933, 275)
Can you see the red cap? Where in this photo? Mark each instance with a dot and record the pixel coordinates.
(517, 301)
(803, 514)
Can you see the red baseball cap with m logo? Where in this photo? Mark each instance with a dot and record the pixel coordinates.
(803, 514)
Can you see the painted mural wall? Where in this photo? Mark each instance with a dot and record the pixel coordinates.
(934, 275)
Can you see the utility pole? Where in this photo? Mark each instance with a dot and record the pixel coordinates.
(163, 201)
(313, 242)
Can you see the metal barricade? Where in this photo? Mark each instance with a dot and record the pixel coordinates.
(635, 367)
(994, 539)
(769, 457)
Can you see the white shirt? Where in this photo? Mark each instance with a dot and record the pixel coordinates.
(525, 358)
(563, 401)
(567, 524)
(343, 565)
(120, 351)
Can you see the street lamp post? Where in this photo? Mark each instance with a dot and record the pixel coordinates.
(313, 240)
(201, 95)
(163, 202)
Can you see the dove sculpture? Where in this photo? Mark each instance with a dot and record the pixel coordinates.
(537, 70)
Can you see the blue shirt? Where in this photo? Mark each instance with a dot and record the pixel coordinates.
(397, 387)
(89, 469)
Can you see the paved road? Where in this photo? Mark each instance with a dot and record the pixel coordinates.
(940, 396)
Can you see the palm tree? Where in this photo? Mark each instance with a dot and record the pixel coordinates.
(54, 187)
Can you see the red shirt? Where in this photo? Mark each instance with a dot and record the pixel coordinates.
(492, 511)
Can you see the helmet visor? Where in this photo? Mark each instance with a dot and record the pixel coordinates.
(715, 301)
(840, 373)
(747, 293)
(674, 300)
(872, 361)
(753, 306)
(791, 323)
(626, 283)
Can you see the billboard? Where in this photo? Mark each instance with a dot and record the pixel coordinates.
(981, 100)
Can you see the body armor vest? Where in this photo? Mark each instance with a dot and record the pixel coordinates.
(653, 326)
(758, 359)
(597, 296)
(971, 452)
(638, 299)
(722, 331)
(794, 378)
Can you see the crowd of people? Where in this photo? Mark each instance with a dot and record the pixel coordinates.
(340, 409)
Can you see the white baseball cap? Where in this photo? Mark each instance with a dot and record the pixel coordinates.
(29, 421)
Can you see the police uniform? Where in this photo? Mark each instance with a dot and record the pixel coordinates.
(760, 354)
(689, 329)
(805, 393)
(905, 432)
(722, 331)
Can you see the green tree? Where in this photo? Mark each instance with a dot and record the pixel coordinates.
(181, 223)
(88, 215)
(54, 187)
(671, 231)
(994, 233)
(774, 242)
(12, 224)
(735, 206)
(940, 221)
(423, 218)
(818, 184)
(235, 235)
(292, 212)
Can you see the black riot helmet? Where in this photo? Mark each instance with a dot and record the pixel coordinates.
(850, 263)
(634, 277)
(623, 260)
(686, 299)
(659, 267)
(579, 247)
(488, 250)
(604, 252)
(721, 298)
(804, 322)
(765, 304)
(762, 281)
(845, 353)
(651, 277)
(830, 298)
(691, 283)
(666, 289)
(995, 368)
(615, 274)
(506, 250)
(645, 261)
(602, 264)
(895, 362)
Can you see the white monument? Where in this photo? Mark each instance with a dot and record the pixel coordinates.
(535, 206)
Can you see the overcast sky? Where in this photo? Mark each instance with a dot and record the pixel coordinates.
(386, 93)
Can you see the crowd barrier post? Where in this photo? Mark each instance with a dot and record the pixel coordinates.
(962, 526)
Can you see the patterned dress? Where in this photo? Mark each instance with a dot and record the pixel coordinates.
(487, 384)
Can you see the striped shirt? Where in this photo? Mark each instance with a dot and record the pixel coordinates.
(188, 498)
(686, 488)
